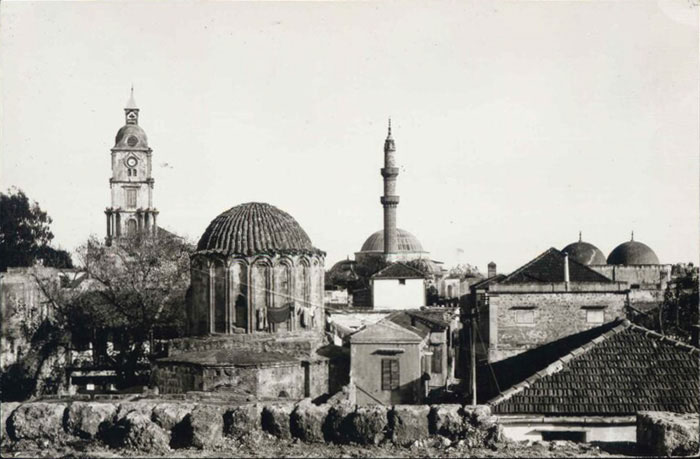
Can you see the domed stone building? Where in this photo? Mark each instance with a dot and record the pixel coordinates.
(408, 247)
(255, 312)
(256, 271)
(585, 253)
(632, 253)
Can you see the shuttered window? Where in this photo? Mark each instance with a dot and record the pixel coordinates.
(436, 362)
(131, 199)
(390, 374)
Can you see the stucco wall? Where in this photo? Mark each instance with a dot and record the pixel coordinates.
(625, 431)
(366, 373)
(391, 294)
(649, 276)
(556, 315)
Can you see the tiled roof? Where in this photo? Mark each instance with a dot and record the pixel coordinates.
(255, 228)
(386, 331)
(405, 320)
(399, 271)
(486, 282)
(549, 267)
(621, 371)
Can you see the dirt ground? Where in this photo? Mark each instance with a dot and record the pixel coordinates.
(267, 446)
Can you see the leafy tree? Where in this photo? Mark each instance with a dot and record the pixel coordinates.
(133, 289)
(679, 310)
(25, 234)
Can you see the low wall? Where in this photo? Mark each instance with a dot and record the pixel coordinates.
(158, 426)
(662, 433)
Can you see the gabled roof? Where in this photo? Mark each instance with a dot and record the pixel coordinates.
(399, 271)
(622, 371)
(385, 331)
(486, 282)
(549, 267)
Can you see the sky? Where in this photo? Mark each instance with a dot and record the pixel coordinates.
(517, 124)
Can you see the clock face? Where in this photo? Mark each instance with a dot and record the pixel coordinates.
(131, 161)
(132, 141)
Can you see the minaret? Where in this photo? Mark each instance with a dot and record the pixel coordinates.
(390, 199)
(131, 184)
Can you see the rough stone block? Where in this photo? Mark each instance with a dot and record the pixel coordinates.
(124, 408)
(168, 415)
(242, 420)
(6, 409)
(478, 415)
(408, 423)
(39, 422)
(276, 419)
(207, 426)
(336, 428)
(447, 420)
(306, 421)
(88, 419)
(368, 424)
(667, 434)
(143, 435)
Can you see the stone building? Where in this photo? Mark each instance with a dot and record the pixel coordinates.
(545, 300)
(255, 312)
(633, 263)
(590, 386)
(131, 184)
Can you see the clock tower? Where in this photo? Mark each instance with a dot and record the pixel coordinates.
(131, 184)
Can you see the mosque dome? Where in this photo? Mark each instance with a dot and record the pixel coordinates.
(254, 228)
(632, 253)
(584, 253)
(131, 136)
(406, 242)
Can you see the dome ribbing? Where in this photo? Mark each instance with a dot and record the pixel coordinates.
(255, 228)
(406, 242)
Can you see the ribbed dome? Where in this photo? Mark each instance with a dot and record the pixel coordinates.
(406, 242)
(584, 253)
(632, 253)
(131, 136)
(254, 228)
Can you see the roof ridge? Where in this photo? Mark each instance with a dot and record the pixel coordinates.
(558, 364)
(674, 342)
(528, 264)
(398, 263)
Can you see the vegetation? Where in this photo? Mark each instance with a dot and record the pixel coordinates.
(25, 234)
(679, 310)
(131, 292)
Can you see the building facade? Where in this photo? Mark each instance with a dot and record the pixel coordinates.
(547, 299)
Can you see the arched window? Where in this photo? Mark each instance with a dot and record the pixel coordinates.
(219, 298)
(131, 227)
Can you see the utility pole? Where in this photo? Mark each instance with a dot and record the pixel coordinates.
(472, 346)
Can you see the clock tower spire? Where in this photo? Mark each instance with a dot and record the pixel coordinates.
(131, 211)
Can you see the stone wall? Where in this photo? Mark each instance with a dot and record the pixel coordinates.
(555, 315)
(662, 433)
(157, 426)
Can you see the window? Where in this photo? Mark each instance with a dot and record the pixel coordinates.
(131, 199)
(390, 374)
(436, 360)
(525, 316)
(595, 316)
(402, 281)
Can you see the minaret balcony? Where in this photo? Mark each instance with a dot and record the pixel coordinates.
(390, 172)
(389, 200)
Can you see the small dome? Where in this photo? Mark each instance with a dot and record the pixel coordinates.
(255, 228)
(406, 242)
(584, 253)
(131, 136)
(632, 253)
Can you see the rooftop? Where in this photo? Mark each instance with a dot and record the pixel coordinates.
(620, 368)
(549, 267)
(399, 271)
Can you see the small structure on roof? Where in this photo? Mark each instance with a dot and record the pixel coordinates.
(398, 286)
(589, 386)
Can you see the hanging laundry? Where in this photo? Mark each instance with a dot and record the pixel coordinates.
(278, 315)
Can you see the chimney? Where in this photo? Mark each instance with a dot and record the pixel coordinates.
(566, 269)
(492, 269)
